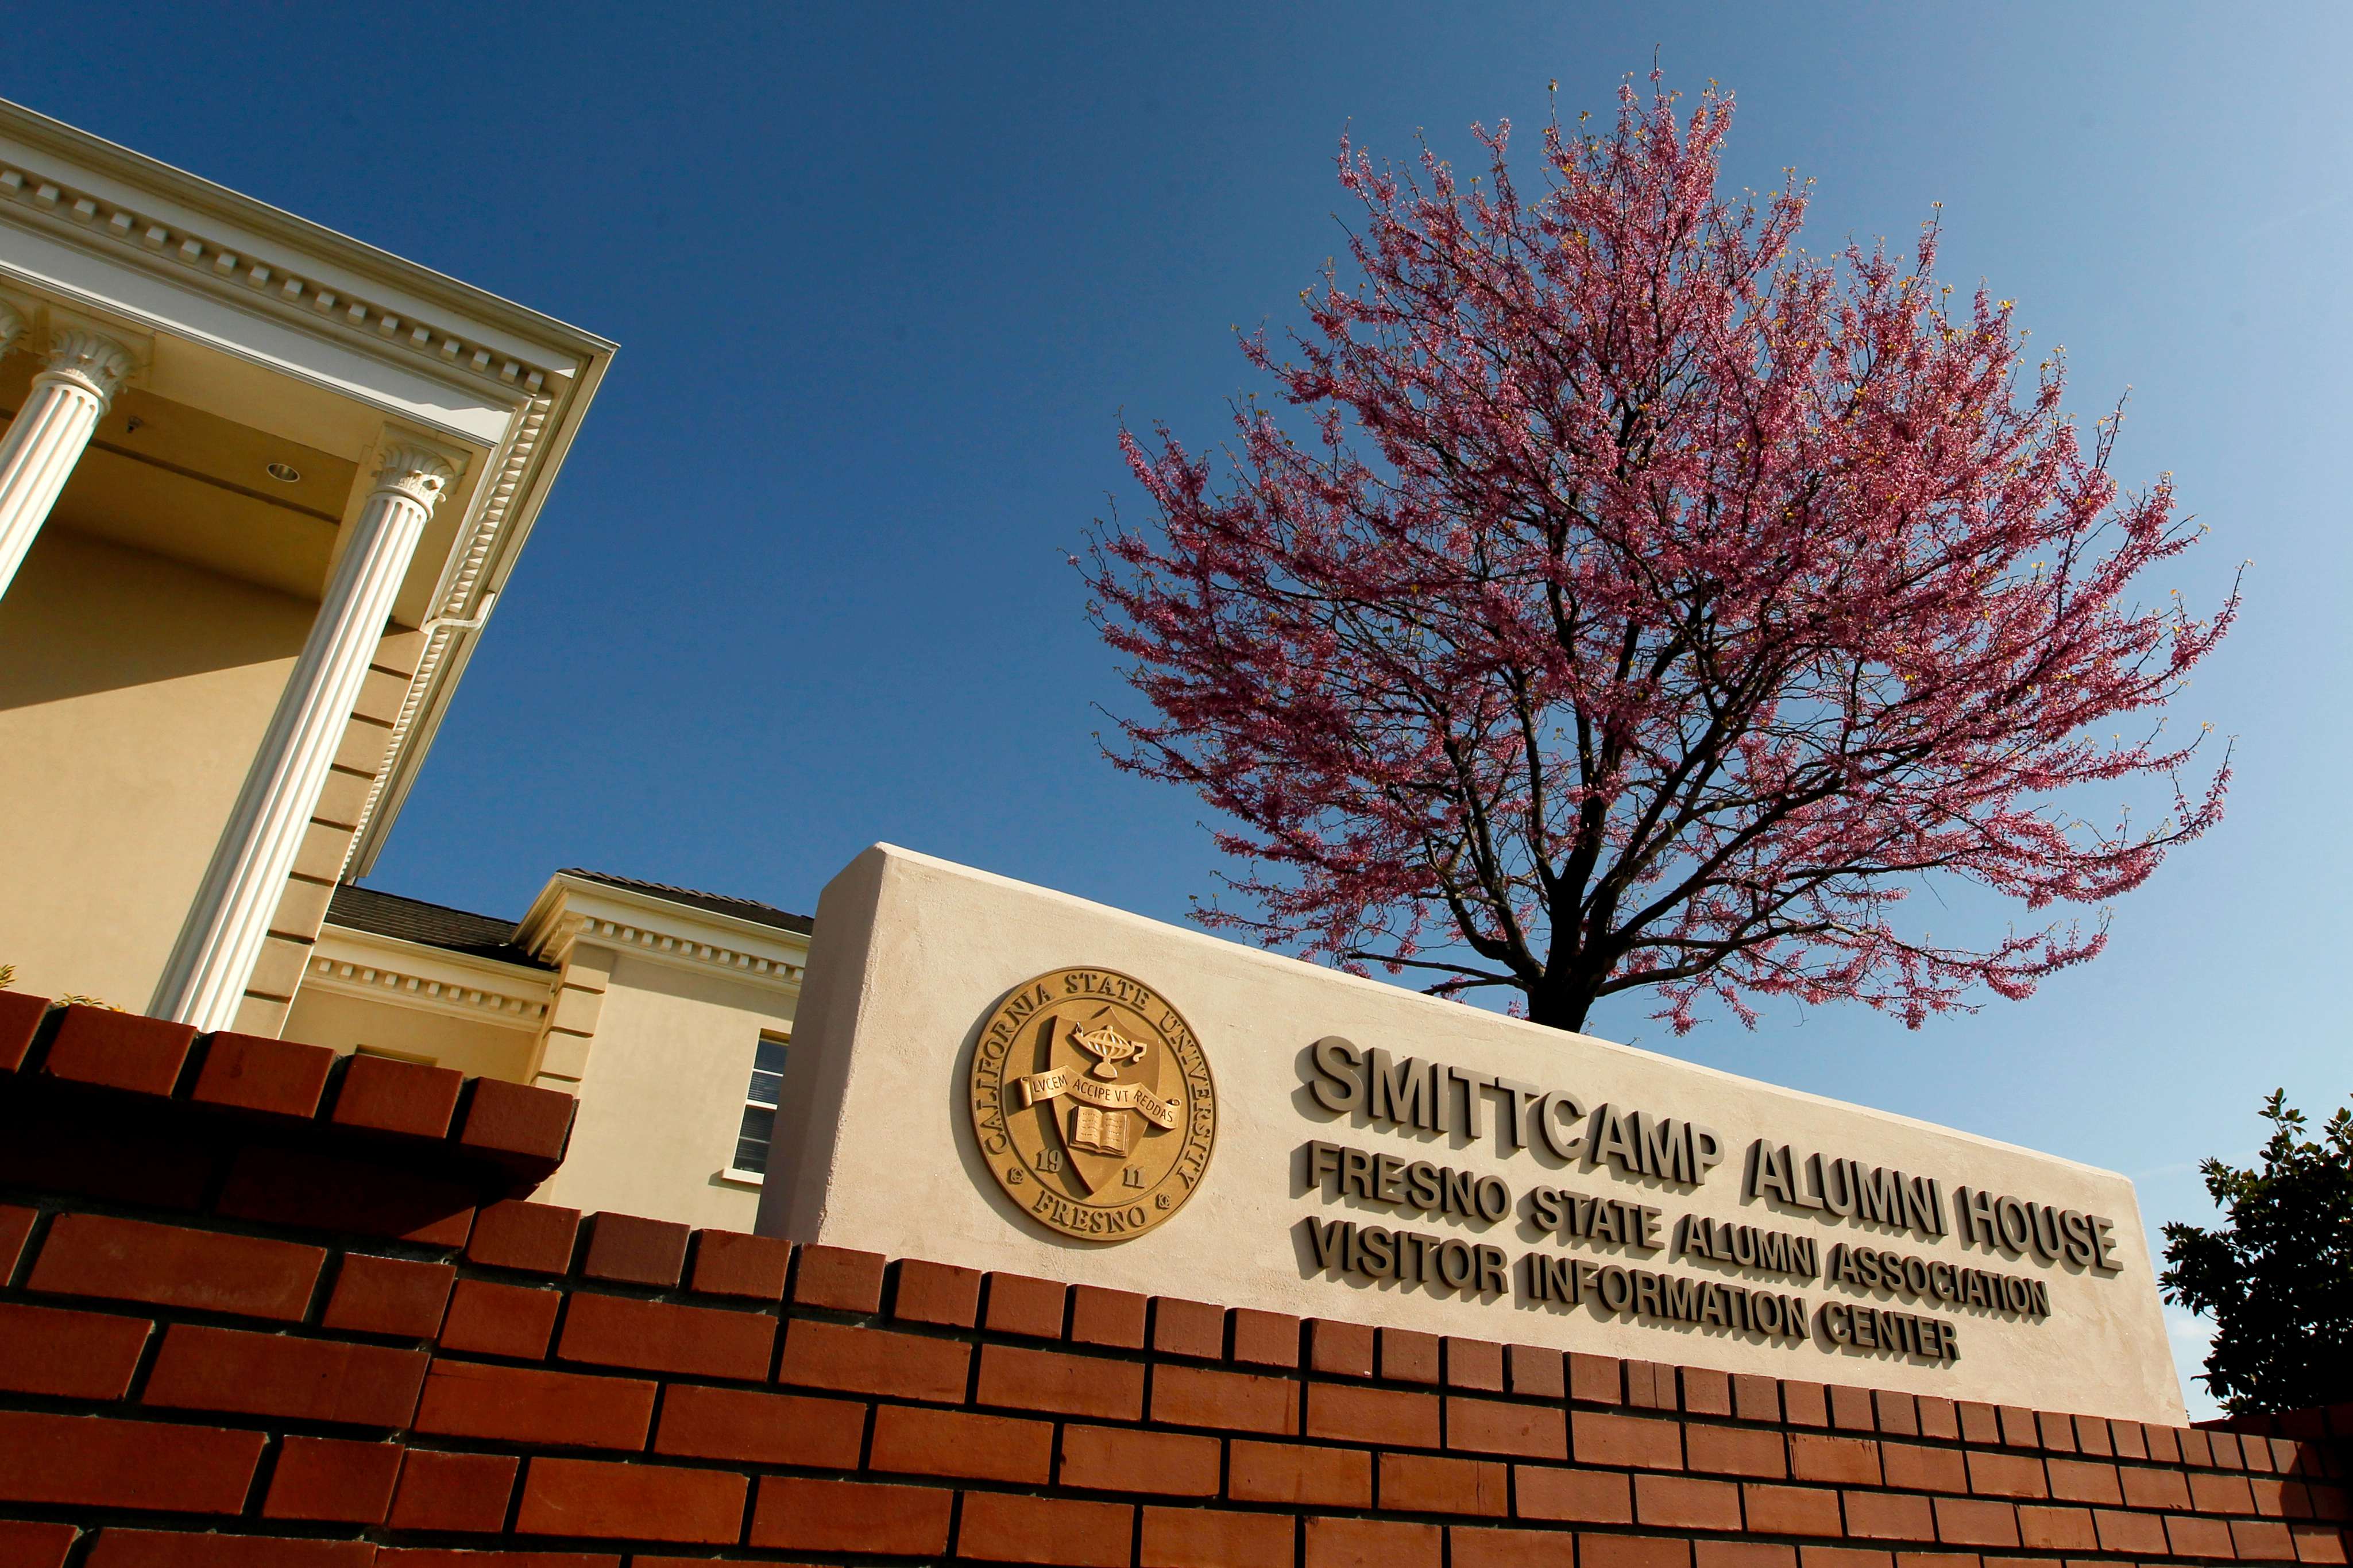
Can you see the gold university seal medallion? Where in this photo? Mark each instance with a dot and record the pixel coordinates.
(1092, 1103)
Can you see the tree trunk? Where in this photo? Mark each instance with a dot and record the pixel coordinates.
(1560, 1006)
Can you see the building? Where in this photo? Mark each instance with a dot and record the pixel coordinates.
(261, 486)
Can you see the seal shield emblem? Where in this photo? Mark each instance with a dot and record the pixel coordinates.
(1092, 1103)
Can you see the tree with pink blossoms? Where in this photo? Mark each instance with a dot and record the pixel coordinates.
(1635, 602)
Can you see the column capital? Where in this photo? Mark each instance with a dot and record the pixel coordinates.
(12, 326)
(414, 469)
(89, 360)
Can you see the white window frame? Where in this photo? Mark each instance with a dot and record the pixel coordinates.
(733, 1172)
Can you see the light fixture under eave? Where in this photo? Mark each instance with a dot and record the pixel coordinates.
(284, 473)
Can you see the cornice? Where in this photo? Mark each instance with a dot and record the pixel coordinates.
(570, 909)
(351, 962)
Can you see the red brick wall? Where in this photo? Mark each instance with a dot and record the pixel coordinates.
(260, 1308)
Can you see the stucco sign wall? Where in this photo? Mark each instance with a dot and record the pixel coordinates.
(1000, 1076)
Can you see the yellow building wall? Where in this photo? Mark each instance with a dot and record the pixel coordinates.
(479, 1049)
(663, 1095)
(133, 693)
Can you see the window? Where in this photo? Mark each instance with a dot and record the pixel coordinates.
(759, 1124)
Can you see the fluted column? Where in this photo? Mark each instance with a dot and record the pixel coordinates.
(206, 977)
(46, 439)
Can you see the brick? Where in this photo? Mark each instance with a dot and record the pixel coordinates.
(2128, 1439)
(1213, 1538)
(2189, 1537)
(388, 1096)
(1421, 1483)
(760, 1429)
(2007, 1475)
(1649, 1386)
(2083, 1480)
(1916, 1467)
(1938, 1417)
(150, 1167)
(2140, 1534)
(1101, 1316)
(910, 1440)
(1266, 1339)
(1497, 1426)
(1755, 1398)
(606, 1499)
(874, 1360)
(1898, 1414)
(2091, 1436)
(454, 1557)
(1537, 1372)
(1805, 1403)
(254, 1072)
(1972, 1521)
(1707, 1393)
(1980, 1424)
(331, 1480)
(388, 1296)
(635, 1251)
(489, 1319)
(1851, 1409)
(1024, 1379)
(1735, 1451)
(2262, 1541)
(1370, 1543)
(1747, 1554)
(837, 1279)
(1409, 1356)
(170, 1265)
(1237, 1400)
(20, 1020)
(97, 1462)
(2043, 1527)
(453, 1491)
(1847, 1461)
(23, 1543)
(323, 1192)
(999, 1527)
(662, 1336)
(275, 1374)
(2208, 1492)
(2018, 1428)
(1643, 1442)
(1586, 1497)
(1188, 1329)
(1890, 1516)
(1474, 1364)
(729, 1263)
(1855, 1557)
(535, 1237)
(811, 1515)
(1017, 1304)
(1341, 1350)
(937, 1293)
(1685, 1502)
(516, 1118)
(68, 1354)
(2321, 1543)
(2055, 1432)
(1117, 1459)
(1491, 1546)
(2276, 1499)
(1790, 1510)
(1296, 1473)
(15, 1225)
(1388, 1416)
(527, 1405)
(1633, 1552)
(120, 1548)
(118, 1050)
(1597, 1379)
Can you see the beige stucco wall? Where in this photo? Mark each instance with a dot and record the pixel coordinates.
(912, 954)
(132, 693)
(662, 1094)
(475, 1046)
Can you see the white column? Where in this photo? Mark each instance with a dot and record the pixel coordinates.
(46, 439)
(206, 977)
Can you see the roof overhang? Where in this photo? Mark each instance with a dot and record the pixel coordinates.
(572, 909)
(294, 327)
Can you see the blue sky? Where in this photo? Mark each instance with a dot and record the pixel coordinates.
(886, 279)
